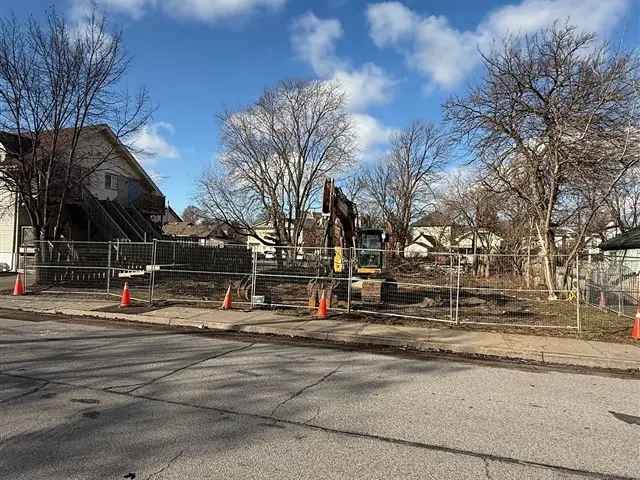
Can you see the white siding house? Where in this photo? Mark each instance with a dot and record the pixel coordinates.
(119, 200)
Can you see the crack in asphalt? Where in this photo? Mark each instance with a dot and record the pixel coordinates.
(486, 469)
(167, 466)
(189, 365)
(348, 433)
(27, 393)
(304, 389)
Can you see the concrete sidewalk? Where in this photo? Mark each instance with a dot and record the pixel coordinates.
(542, 349)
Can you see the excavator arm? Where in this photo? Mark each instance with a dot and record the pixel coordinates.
(339, 212)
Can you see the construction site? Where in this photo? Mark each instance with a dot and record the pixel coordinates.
(438, 287)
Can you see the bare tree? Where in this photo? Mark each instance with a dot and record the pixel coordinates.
(623, 206)
(401, 185)
(192, 214)
(469, 202)
(275, 156)
(552, 122)
(55, 80)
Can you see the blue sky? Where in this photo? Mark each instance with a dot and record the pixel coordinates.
(397, 61)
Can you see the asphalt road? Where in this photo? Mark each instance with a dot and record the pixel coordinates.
(102, 401)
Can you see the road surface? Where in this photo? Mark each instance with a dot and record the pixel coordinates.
(92, 400)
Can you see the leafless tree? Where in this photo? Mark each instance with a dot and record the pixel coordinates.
(624, 203)
(275, 156)
(401, 185)
(56, 79)
(192, 214)
(552, 123)
(472, 204)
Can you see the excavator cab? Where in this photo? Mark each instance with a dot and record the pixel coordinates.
(370, 244)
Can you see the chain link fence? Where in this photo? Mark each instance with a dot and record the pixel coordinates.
(592, 292)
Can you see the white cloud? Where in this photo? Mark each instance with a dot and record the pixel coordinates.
(368, 85)
(151, 144)
(446, 55)
(391, 22)
(370, 134)
(314, 41)
(203, 10)
(212, 10)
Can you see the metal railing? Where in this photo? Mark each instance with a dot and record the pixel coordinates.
(447, 287)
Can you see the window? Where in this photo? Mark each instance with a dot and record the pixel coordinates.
(110, 182)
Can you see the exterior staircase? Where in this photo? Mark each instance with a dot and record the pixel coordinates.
(116, 222)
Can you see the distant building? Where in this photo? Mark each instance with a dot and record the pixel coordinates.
(203, 233)
(435, 232)
(310, 236)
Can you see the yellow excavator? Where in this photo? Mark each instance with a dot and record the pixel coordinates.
(342, 233)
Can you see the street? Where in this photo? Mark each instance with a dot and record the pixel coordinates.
(98, 400)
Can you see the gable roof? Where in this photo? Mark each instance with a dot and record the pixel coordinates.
(187, 229)
(10, 142)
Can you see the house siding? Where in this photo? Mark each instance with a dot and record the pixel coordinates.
(7, 231)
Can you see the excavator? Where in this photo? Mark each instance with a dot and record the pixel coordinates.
(342, 232)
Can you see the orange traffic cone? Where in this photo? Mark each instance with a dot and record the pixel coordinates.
(226, 305)
(125, 300)
(603, 300)
(635, 330)
(18, 289)
(322, 309)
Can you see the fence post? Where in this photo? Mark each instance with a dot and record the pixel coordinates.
(352, 254)
(153, 270)
(578, 321)
(458, 290)
(24, 263)
(109, 268)
(450, 284)
(254, 270)
(620, 290)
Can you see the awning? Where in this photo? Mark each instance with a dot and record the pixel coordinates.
(626, 241)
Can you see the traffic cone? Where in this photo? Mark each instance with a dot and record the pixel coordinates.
(322, 309)
(18, 288)
(603, 300)
(226, 305)
(125, 299)
(635, 330)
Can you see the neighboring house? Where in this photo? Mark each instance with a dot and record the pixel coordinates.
(625, 245)
(436, 233)
(119, 201)
(203, 233)
(311, 235)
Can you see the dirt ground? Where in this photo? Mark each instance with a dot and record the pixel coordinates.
(487, 302)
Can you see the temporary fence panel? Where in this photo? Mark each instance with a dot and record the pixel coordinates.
(298, 276)
(66, 266)
(592, 292)
(130, 262)
(510, 290)
(415, 285)
(191, 272)
(609, 289)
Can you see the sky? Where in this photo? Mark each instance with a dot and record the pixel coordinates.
(396, 61)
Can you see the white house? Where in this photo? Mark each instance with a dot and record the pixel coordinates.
(437, 234)
(119, 200)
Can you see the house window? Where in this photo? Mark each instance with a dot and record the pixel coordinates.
(110, 182)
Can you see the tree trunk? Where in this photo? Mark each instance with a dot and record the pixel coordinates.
(549, 264)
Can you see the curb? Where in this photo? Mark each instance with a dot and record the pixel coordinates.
(547, 358)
